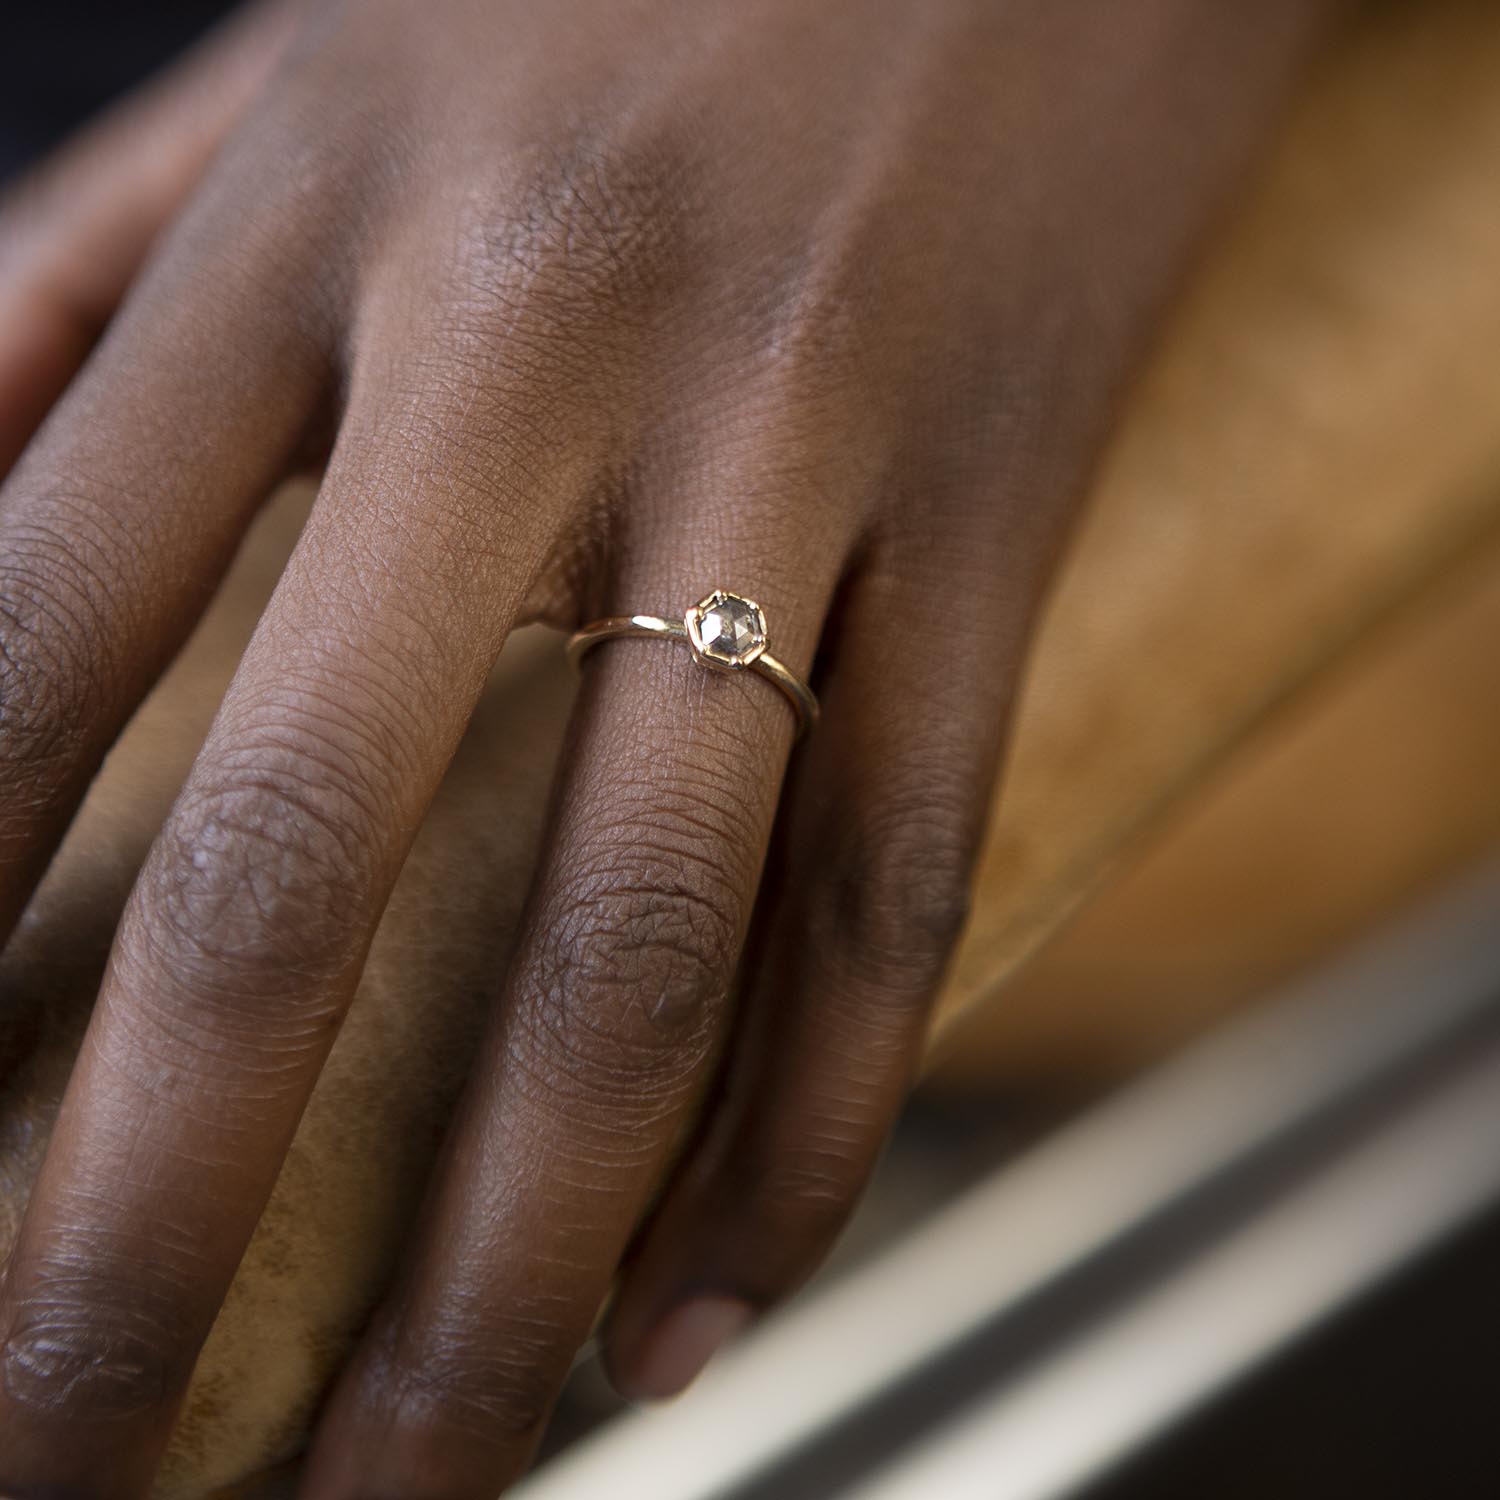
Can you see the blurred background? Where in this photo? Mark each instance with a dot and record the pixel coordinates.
(1201, 1193)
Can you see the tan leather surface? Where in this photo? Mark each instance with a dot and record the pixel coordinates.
(1315, 446)
(1319, 440)
(1354, 799)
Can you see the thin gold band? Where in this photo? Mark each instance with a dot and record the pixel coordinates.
(798, 694)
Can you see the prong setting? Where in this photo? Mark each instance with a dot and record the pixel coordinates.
(726, 630)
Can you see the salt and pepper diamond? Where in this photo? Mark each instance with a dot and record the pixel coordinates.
(726, 630)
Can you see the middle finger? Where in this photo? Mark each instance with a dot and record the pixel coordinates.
(244, 938)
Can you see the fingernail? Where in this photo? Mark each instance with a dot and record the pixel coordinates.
(676, 1350)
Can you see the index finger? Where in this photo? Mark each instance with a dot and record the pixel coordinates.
(75, 231)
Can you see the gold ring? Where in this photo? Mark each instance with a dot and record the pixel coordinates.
(727, 633)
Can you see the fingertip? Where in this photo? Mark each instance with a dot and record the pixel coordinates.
(679, 1346)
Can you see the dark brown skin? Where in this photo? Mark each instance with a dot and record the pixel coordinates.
(608, 302)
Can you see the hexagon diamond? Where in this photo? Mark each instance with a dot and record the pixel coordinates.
(726, 629)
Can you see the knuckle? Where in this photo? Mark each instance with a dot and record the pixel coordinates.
(66, 1366)
(891, 898)
(498, 1391)
(306, 159)
(641, 957)
(55, 656)
(258, 877)
(72, 1358)
(824, 321)
(595, 220)
(824, 309)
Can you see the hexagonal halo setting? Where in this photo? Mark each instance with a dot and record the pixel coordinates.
(726, 630)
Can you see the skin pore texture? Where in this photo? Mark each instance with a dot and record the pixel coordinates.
(584, 309)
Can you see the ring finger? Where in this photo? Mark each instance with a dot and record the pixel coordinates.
(613, 1012)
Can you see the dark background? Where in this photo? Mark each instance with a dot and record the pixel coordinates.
(65, 59)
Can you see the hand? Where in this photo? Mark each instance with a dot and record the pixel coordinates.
(608, 302)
